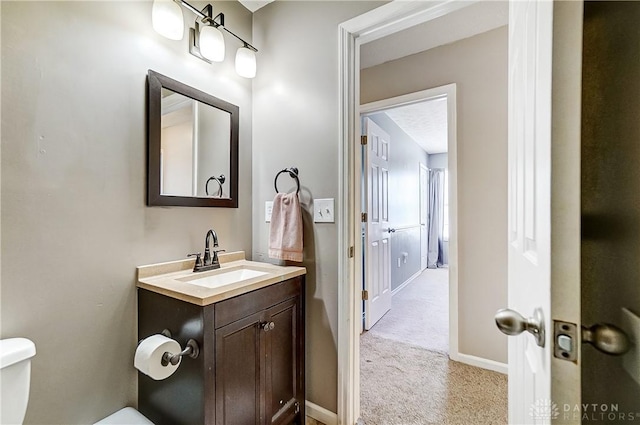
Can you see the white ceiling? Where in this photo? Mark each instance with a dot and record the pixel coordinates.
(472, 20)
(425, 122)
(254, 5)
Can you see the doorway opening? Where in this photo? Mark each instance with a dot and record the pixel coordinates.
(405, 235)
(355, 33)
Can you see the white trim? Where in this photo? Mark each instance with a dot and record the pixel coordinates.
(424, 205)
(406, 282)
(320, 414)
(407, 99)
(480, 362)
(377, 23)
(397, 16)
(348, 334)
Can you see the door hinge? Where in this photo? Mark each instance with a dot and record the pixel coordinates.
(297, 407)
(352, 251)
(363, 217)
(363, 140)
(365, 295)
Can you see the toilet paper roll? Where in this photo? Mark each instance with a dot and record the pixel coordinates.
(148, 358)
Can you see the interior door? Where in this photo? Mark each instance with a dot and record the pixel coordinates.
(424, 214)
(529, 204)
(555, 273)
(377, 280)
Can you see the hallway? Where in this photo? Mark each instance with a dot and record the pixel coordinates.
(419, 313)
(406, 375)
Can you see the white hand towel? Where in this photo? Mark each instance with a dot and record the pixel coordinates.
(285, 236)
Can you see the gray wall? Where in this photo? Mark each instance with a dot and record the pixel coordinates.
(296, 124)
(74, 220)
(479, 67)
(439, 160)
(405, 157)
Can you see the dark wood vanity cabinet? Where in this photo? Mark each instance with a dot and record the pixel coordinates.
(251, 366)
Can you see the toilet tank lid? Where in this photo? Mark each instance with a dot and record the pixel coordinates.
(14, 350)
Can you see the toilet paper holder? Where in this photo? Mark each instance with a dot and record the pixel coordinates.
(191, 349)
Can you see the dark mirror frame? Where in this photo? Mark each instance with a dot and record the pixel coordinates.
(156, 82)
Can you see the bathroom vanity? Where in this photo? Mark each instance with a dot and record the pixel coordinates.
(248, 320)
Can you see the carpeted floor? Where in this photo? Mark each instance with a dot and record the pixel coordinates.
(403, 384)
(419, 313)
(406, 377)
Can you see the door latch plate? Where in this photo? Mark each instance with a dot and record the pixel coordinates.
(565, 340)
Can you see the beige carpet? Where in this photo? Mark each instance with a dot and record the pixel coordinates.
(419, 313)
(403, 384)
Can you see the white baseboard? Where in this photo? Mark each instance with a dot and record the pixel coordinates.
(480, 362)
(321, 414)
(406, 282)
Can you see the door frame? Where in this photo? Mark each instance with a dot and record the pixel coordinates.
(377, 23)
(424, 209)
(449, 92)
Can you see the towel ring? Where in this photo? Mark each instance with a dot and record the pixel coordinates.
(220, 180)
(293, 173)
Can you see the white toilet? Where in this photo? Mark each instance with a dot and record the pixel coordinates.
(15, 376)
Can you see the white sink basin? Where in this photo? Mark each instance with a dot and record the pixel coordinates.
(223, 277)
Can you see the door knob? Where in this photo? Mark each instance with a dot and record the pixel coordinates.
(513, 323)
(607, 338)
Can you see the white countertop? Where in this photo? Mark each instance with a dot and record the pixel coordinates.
(170, 278)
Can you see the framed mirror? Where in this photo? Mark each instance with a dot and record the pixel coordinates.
(192, 146)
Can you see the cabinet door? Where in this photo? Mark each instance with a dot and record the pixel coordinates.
(240, 348)
(284, 362)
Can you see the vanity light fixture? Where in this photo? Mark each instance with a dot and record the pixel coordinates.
(246, 62)
(166, 16)
(205, 40)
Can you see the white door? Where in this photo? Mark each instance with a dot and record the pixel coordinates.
(424, 214)
(544, 266)
(377, 279)
(529, 185)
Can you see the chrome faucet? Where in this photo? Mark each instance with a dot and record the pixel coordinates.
(209, 262)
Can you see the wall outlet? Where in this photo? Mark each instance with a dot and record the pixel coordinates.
(323, 210)
(268, 209)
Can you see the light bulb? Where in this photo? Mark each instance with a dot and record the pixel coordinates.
(167, 20)
(211, 43)
(246, 62)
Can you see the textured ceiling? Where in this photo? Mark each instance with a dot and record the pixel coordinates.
(475, 19)
(425, 122)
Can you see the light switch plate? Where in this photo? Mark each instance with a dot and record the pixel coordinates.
(323, 210)
(268, 209)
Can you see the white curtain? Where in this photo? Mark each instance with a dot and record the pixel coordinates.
(435, 223)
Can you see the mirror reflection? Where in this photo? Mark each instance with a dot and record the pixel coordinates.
(194, 148)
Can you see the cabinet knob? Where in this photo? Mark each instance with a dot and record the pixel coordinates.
(267, 326)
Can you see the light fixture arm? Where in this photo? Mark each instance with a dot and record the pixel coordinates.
(247, 45)
(217, 21)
